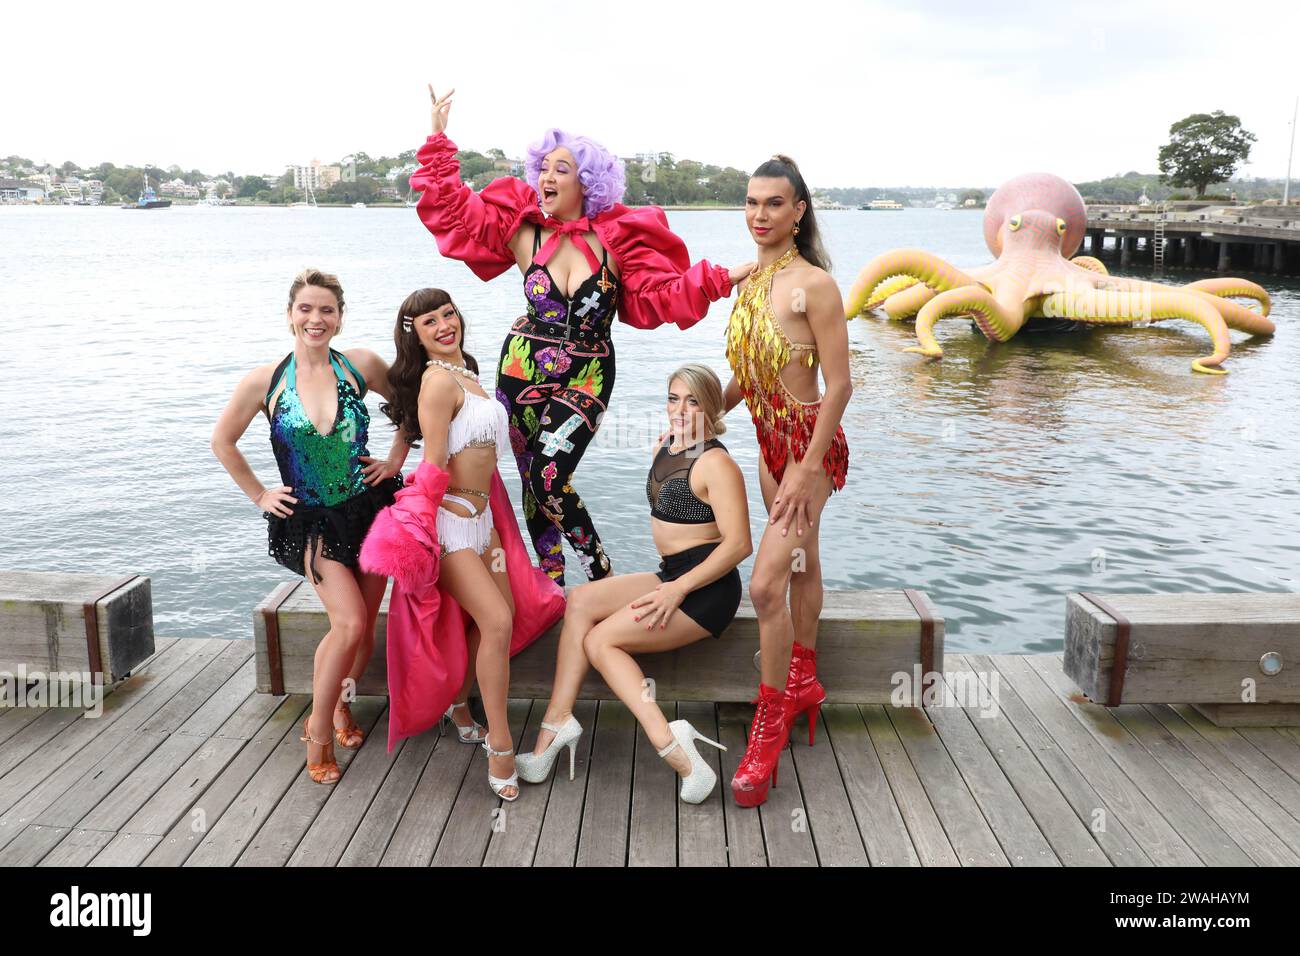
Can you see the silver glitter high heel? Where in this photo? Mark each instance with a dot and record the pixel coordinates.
(699, 783)
(475, 733)
(535, 768)
(497, 783)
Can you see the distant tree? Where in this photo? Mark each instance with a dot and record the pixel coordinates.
(69, 168)
(472, 163)
(250, 186)
(496, 154)
(975, 194)
(365, 189)
(286, 179)
(1204, 148)
(731, 185)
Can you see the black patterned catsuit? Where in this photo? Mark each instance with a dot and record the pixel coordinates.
(555, 377)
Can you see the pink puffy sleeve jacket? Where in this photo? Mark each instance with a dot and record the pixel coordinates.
(659, 283)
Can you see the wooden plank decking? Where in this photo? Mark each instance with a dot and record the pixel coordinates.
(188, 766)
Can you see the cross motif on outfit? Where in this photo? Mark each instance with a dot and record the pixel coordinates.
(603, 284)
(558, 440)
(553, 506)
(589, 302)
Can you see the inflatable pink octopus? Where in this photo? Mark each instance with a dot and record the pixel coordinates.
(1033, 224)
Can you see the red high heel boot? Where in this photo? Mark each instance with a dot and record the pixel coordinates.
(768, 735)
(804, 693)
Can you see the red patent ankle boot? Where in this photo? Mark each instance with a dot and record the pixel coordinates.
(804, 693)
(768, 735)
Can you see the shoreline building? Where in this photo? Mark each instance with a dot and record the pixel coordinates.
(179, 188)
(21, 191)
(315, 175)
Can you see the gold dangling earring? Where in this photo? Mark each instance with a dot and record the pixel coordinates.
(796, 228)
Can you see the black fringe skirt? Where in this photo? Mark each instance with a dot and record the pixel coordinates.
(340, 528)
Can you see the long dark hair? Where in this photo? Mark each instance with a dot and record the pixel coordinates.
(809, 240)
(407, 369)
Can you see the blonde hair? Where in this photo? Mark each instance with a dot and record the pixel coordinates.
(704, 385)
(324, 280)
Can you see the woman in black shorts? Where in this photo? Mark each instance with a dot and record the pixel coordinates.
(700, 520)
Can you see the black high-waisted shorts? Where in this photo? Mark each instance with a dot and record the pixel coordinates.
(713, 606)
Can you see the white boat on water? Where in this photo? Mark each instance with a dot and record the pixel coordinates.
(882, 204)
(358, 205)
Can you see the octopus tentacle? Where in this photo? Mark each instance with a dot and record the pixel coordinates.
(994, 320)
(1238, 316)
(1235, 314)
(1110, 307)
(907, 302)
(1225, 287)
(923, 266)
(1092, 264)
(891, 287)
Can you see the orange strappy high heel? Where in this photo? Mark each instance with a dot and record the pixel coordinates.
(351, 736)
(320, 772)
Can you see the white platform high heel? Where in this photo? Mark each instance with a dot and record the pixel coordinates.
(699, 783)
(475, 733)
(535, 768)
(497, 783)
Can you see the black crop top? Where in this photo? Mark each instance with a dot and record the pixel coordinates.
(668, 486)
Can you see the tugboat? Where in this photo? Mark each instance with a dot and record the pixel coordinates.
(148, 199)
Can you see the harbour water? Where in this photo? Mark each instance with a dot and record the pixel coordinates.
(996, 480)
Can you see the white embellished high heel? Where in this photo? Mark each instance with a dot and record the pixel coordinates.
(537, 767)
(699, 783)
(475, 733)
(497, 783)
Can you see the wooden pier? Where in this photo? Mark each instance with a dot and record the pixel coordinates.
(189, 765)
(1208, 236)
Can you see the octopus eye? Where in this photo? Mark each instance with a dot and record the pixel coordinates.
(1014, 223)
(1060, 227)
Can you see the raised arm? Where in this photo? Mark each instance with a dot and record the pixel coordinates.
(239, 412)
(475, 228)
(659, 282)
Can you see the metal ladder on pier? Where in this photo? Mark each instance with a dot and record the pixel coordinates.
(1158, 240)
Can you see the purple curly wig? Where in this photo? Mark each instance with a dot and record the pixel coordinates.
(599, 171)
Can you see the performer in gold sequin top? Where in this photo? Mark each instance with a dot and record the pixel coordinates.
(787, 316)
(759, 350)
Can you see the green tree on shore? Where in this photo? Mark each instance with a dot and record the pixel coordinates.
(250, 186)
(1204, 148)
(365, 189)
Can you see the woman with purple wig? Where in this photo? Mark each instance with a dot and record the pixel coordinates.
(585, 258)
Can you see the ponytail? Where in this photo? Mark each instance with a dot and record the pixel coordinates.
(808, 241)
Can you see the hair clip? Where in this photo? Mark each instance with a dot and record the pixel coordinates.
(406, 323)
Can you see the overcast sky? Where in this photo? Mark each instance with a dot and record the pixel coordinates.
(859, 93)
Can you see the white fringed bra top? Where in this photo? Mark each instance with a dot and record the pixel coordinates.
(480, 423)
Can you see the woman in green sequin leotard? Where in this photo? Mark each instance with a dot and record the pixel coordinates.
(332, 489)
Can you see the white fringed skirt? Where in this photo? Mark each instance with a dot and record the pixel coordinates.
(457, 533)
